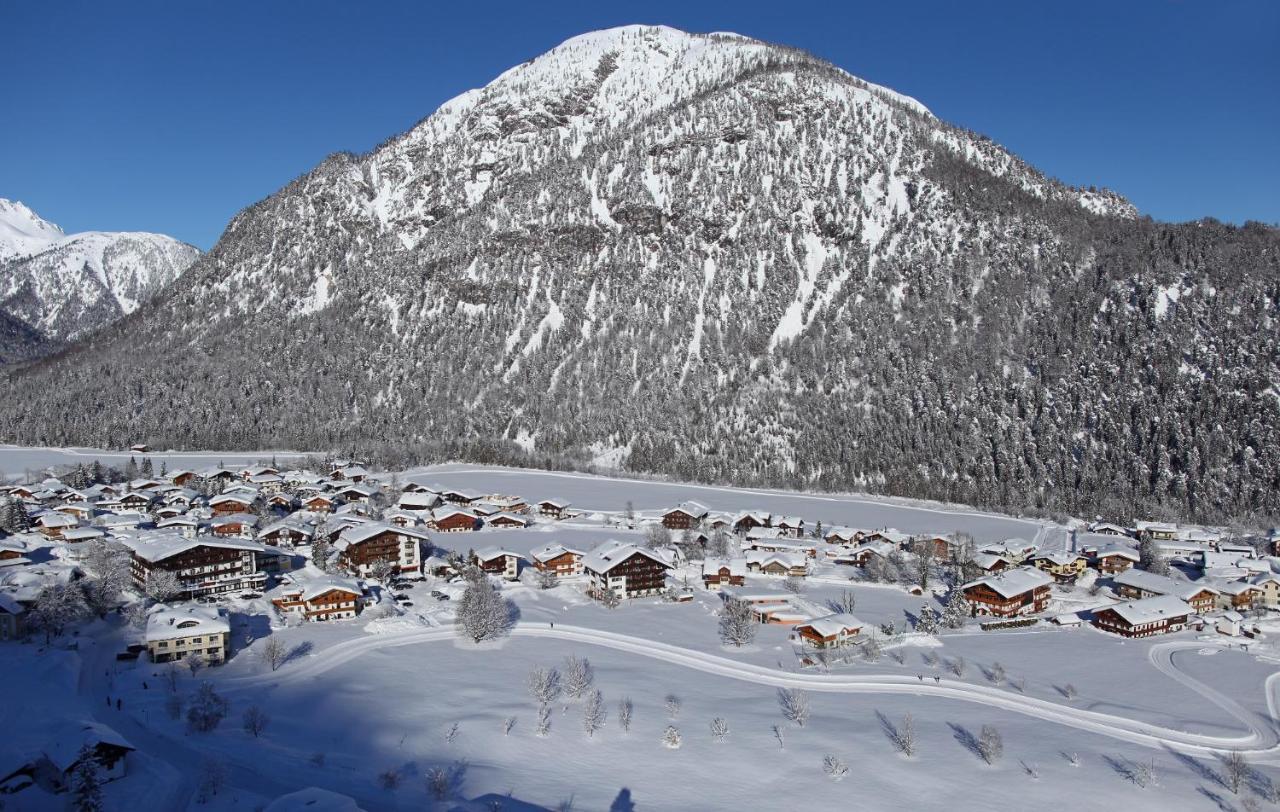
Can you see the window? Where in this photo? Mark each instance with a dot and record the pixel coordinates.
(162, 644)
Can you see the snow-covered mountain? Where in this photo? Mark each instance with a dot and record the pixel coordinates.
(716, 258)
(62, 287)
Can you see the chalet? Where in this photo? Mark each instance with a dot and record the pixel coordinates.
(351, 471)
(552, 508)
(991, 563)
(1137, 584)
(417, 500)
(225, 504)
(460, 497)
(1108, 529)
(413, 486)
(281, 501)
(1144, 618)
(116, 523)
(719, 521)
(140, 448)
(779, 564)
(507, 520)
(1156, 531)
(234, 525)
(1063, 566)
(1015, 550)
(360, 546)
(79, 535)
(320, 503)
(791, 525)
(84, 511)
(484, 509)
(175, 633)
(355, 494)
(844, 536)
(557, 559)
(60, 757)
(252, 471)
(625, 570)
(938, 546)
(187, 526)
(203, 566)
(1113, 560)
(145, 484)
(684, 515)
(401, 518)
(180, 497)
(286, 533)
(895, 537)
(1270, 587)
(866, 550)
(718, 572)
(751, 519)
(53, 523)
(1014, 592)
(318, 599)
(134, 500)
(182, 478)
(830, 630)
(218, 476)
(785, 545)
(496, 561)
(168, 512)
(453, 520)
(1241, 595)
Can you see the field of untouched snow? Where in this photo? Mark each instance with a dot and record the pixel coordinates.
(589, 492)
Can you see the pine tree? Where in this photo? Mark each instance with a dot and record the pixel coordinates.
(927, 623)
(956, 609)
(86, 781)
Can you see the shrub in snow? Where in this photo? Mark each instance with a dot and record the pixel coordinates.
(273, 653)
(671, 738)
(610, 599)
(578, 676)
(1235, 770)
(544, 685)
(1144, 773)
(1069, 691)
(794, 704)
(672, 704)
(389, 779)
(996, 673)
(990, 744)
(905, 736)
(834, 767)
(737, 626)
(213, 774)
(777, 734)
(173, 706)
(507, 724)
(719, 729)
(794, 584)
(193, 662)
(317, 759)
(958, 666)
(625, 710)
(255, 720)
(593, 713)
(207, 709)
(845, 603)
(451, 734)
(956, 610)
(871, 649)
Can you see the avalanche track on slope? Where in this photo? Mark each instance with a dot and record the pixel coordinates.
(1262, 743)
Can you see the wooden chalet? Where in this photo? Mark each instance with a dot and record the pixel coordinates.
(626, 570)
(557, 559)
(506, 520)
(203, 566)
(224, 504)
(721, 572)
(496, 561)
(1144, 618)
(1012, 593)
(318, 600)
(552, 508)
(684, 516)
(831, 630)
(453, 520)
(1113, 560)
(1063, 566)
(360, 546)
(1136, 584)
(750, 520)
(320, 503)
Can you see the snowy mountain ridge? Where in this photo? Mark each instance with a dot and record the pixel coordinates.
(711, 257)
(64, 286)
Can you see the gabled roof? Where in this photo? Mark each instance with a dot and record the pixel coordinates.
(490, 553)
(185, 621)
(613, 552)
(239, 497)
(1151, 610)
(690, 508)
(833, 625)
(1160, 584)
(66, 740)
(552, 551)
(1013, 582)
(155, 547)
(358, 533)
(736, 566)
(557, 503)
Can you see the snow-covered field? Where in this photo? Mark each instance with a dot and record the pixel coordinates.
(1077, 709)
(20, 459)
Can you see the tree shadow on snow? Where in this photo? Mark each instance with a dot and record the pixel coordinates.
(1198, 768)
(299, 651)
(889, 729)
(1221, 802)
(623, 802)
(967, 739)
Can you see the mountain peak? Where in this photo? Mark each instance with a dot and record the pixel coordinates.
(22, 231)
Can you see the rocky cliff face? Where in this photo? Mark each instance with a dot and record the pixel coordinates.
(714, 258)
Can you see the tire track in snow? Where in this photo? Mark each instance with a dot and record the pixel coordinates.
(1261, 742)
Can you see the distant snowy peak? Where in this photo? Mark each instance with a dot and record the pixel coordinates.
(22, 231)
(64, 286)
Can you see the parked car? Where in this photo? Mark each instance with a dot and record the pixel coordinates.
(438, 595)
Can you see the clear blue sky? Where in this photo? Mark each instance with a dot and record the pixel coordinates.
(171, 116)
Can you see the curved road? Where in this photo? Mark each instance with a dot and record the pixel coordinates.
(1262, 742)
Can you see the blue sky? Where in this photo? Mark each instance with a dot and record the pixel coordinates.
(171, 117)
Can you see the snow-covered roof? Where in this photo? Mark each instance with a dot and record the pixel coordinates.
(82, 534)
(613, 552)
(1151, 610)
(552, 551)
(161, 545)
(239, 497)
(185, 621)
(690, 508)
(557, 503)
(1059, 558)
(836, 624)
(511, 517)
(1013, 582)
(736, 566)
(311, 583)
(491, 553)
(1160, 584)
(66, 740)
(1118, 551)
(357, 533)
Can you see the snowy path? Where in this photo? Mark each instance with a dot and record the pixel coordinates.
(1261, 742)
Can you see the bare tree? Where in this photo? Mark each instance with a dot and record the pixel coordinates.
(273, 652)
(207, 709)
(625, 711)
(958, 666)
(161, 585)
(672, 704)
(544, 685)
(834, 767)
(255, 720)
(578, 676)
(381, 570)
(990, 744)
(845, 603)
(544, 720)
(1069, 691)
(1143, 773)
(213, 774)
(906, 739)
(719, 729)
(483, 613)
(996, 673)
(777, 734)
(871, 649)
(389, 779)
(1235, 770)
(794, 584)
(794, 704)
(507, 725)
(193, 662)
(657, 535)
(737, 624)
(593, 713)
